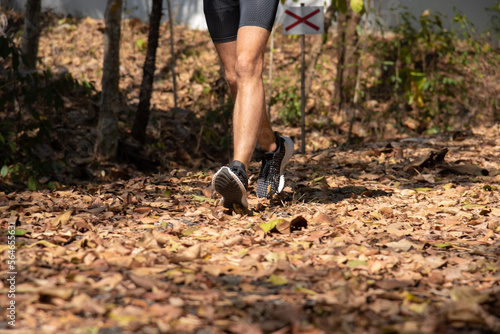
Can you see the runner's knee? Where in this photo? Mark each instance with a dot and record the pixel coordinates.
(248, 67)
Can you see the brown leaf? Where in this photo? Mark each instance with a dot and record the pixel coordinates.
(402, 245)
(187, 255)
(143, 209)
(393, 284)
(166, 312)
(468, 294)
(298, 223)
(96, 209)
(245, 328)
(465, 169)
(472, 313)
(212, 269)
(82, 303)
(494, 225)
(384, 307)
(109, 282)
(236, 240)
(430, 161)
(55, 292)
(148, 241)
(386, 212)
(62, 219)
(81, 225)
(318, 234)
(320, 217)
(145, 282)
(283, 227)
(436, 277)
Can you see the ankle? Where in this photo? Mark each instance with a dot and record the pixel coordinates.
(269, 143)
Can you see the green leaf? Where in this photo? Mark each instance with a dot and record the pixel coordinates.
(355, 263)
(357, 5)
(423, 189)
(20, 233)
(32, 184)
(306, 291)
(190, 231)
(272, 257)
(473, 206)
(419, 308)
(202, 199)
(270, 225)
(340, 5)
(278, 280)
(319, 179)
(12, 146)
(4, 171)
(445, 246)
(44, 243)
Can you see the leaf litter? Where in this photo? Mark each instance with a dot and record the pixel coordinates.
(397, 236)
(374, 247)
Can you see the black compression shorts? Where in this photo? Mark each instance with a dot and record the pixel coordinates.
(225, 17)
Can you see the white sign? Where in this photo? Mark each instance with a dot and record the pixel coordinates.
(304, 20)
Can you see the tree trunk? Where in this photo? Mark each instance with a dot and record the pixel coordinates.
(106, 145)
(355, 99)
(347, 55)
(31, 33)
(142, 115)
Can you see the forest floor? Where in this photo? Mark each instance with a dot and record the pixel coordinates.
(393, 236)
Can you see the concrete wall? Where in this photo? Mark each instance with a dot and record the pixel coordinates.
(190, 12)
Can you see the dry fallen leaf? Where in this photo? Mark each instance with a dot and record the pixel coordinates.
(188, 254)
(366, 237)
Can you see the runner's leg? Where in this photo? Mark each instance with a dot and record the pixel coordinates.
(249, 119)
(243, 63)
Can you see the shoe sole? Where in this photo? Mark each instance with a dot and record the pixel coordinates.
(286, 158)
(229, 186)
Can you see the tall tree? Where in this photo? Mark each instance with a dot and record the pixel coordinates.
(31, 32)
(142, 115)
(106, 145)
(347, 53)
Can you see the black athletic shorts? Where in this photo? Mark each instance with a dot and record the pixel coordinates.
(225, 17)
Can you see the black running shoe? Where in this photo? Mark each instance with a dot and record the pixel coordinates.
(232, 184)
(271, 179)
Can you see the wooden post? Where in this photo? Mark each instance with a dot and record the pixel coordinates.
(171, 19)
(303, 94)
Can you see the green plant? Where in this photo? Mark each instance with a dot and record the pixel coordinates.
(141, 45)
(423, 68)
(494, 24)
(287, 100)
(216, 126)
(290, 110)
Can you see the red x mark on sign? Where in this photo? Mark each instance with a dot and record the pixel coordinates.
(302, 19)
